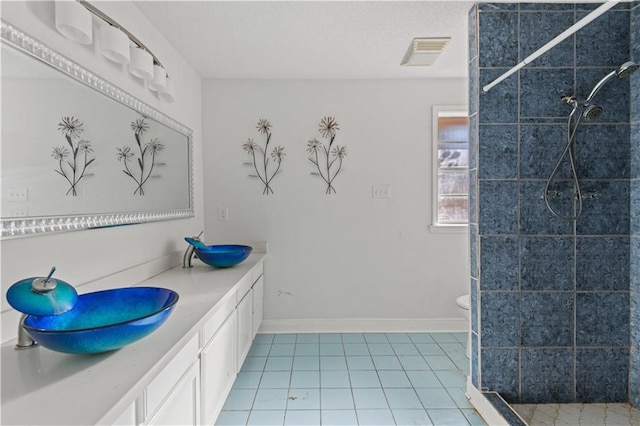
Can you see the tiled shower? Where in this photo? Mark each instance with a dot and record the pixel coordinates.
(555, 303)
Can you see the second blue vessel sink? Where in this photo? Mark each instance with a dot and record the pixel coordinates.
(104, 320)
(223, 255)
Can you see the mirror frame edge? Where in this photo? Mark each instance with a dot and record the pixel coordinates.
(32, 226)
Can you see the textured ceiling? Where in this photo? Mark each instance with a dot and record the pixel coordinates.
(311, 40)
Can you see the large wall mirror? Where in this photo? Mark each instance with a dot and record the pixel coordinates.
(78, 152)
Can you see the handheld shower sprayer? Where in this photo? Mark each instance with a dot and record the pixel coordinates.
(590, 112)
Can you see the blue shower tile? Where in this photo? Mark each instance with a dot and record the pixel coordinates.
(498, 204)
(474, 305)
(474, 87)
(602, 151)
(634, 140)
(473, 196)
(592, 6)
(605, 209)
(634, 322)
(546, 263)
(475, 367)
(535, 218)
(634, 95)
(602, 263)
(498, 263)
(546, 319)
(500, 104)
(634, 377)
(535, 24)
(602, 319)
(541, 146)
(634, 201)
(634, 260)
(473, 141)
(546, 6)
(546, 376)
(498, 152)
(472, 34)
(494, 7)
(499, 318)
(498, 31)
(473, 250)
(500, 372)
(634, 34)
(605, 41)
(541, 91)
(613, 96)
(602, 375)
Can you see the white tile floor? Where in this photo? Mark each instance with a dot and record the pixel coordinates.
(578, 414)
(352, 379)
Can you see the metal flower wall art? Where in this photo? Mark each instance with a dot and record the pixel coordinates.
(327, 158)
(264, 171)
(74, 159)
(145, 156)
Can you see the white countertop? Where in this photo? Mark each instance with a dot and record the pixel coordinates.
(40, 386)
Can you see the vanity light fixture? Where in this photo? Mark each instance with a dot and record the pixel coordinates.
(141, 64)
(115, 44)
(159, 81)
(167, 93)
(423, 52)
(73, 21)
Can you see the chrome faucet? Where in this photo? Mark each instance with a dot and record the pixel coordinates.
(190, 252)
(24, 340)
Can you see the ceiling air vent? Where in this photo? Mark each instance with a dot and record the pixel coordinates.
(423, 52)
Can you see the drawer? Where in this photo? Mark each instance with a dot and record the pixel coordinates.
(257, 271)
(161, 386)
(224, 308)
(243, 287)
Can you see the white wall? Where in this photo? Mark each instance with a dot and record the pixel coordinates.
(345, 256)
(85, 256)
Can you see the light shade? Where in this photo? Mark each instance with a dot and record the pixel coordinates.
(423, 52)
(167, 94)
(115, 44)
(74, 21)
(159, 81)
(141, 64)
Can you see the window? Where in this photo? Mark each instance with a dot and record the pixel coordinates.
(451, 167)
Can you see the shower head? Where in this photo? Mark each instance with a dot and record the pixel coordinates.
(627, 69)
(624, 71)
(592, 112)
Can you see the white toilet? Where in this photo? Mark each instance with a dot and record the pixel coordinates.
(463, 303)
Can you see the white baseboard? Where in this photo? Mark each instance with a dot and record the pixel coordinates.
(485, 408)
(365, 325)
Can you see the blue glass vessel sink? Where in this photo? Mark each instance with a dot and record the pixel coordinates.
(104, 320)
(223, 255)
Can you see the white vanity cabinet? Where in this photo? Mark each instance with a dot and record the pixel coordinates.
(179, 375)
(218, 368)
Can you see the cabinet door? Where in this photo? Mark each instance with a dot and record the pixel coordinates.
(218, 369)
(245, 326)
(182, 406)
(258, 295)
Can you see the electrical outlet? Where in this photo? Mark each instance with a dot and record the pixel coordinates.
(381, 191)
(223, 214)
(18, 194)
